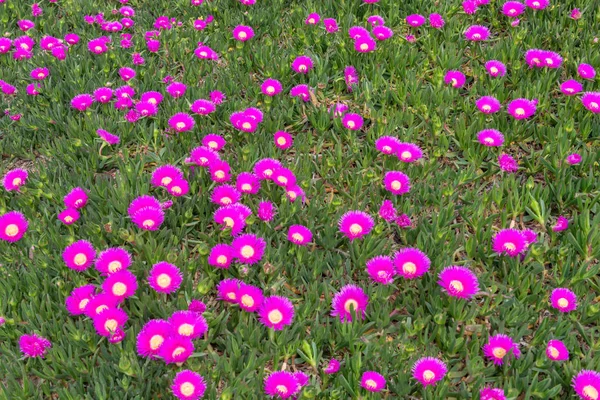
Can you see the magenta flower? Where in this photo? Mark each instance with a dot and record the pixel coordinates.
(429, 370)
(164, 175)
(110, 321)
(283, 140)
(561, 224)
(176, 349)
(203, 156)
(121, 284)
(25, 25)
(14, 179)
(574, 159)
(165, 277)
(498, 347)
(510, 242)
(356, 32)
(152, 336)
(382, 32)
(205, 53)
(571, 87)
(408, 152)
(293, 192)
(302, 91)
(312, 19)
(228, 290)
(537, 4)
(350, 298)
(221, 256)
(276, 312)
(243, 33)
(459, 282)
(98, 46)
(557, 351)
(455, 78)
(302, 64)
(355, 224)
(332, 367)
(331, 25)
(469, 7)
(225, 195)
(152, 97)
(177, 89)
(82, 102)
(415, 20)
(563, 300)
(586, 71)
(127, 73)
(188, 323)
(271, 87)
(34, 345)
(490, 137)
(197, 306)
(247, 183)
(113, 260)
(388, 145)
(79, 255)
(522, 108)
(507, 163)
(372, 381)
(103, 95)
(299, 234)
(99, 303)
(411, 263)
(250, 298)
(351, 77)
(396, 182)
(146, 213)
(477, 33)
(495, 68)
(181, 122)
(352, 121)
(513, 9)
(488, 393)
(575, 14)
(387, 211)
(220, 171)
(188, 385)
(284, 177)
(203, 107)
(587, 384)
(178, 187)
(591, 101)
(376, 20)
(365, 44)
(79, 299)
(381, 269)
(266, 211)
(248, 248)
(488, 104)
(39, 73)
(282, 384)
(214, 142)
(108, 137)
(436, 21)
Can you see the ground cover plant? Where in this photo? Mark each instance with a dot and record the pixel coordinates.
(334, 199)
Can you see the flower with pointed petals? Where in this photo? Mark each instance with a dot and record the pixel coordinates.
(366, 44)
(152, 336)
(121, 284)
(488, 393)
(79, 298)
(388, 145)
(455, 79)
(513, 9)
(165, 277)
(488, 104)
(495, 68)
(302, 64)
(509, 241)
(250, 298)
(302, 91)
(557, 351)
(459, 282)
(381, 269)
(266, 210)
(176, 349)
(181, 122)
(188, 323)
(490, 137)
(281, 384)
(110, 321)
(82, 102)
(332, 367)
(387, 211)
(265, 168)
(248, 248)
(415, 20)
(396, 182)
(350, 298)
(563, 300)
(243, 33)
(203, 107)
(409, 152)
(34, 345)
(500, 346)
(221, 256)
(591, 101)
(276, 312)
(14, 179)
(113, 260)
(108, 137)
(228, 290)
(355, 224)
(225, 195)
(521, 108)
(507, 163)
(411, 263)
(382, 32)
(429, 370)
(436, 21)
(571, 87)
(331, 25)
(188, 385)
(283, 140)
(284, 177)
(203, 156)
(574, 159)
(299, 234)
(477, 33)
(352, 121)
(587, 384)
(271, 87)
(197, 306)
(99, 303)
(247, 183)
(372, 381)
(79, 255)
(165, 174)
(537, 4)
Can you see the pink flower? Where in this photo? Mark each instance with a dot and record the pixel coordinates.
(522, 108)
(266, 211)
(575, 14)
(165, 277)
(214, 142)
(79, 255)
(396, 182)
(488, 393)
(110, 321)
(477, 33)
(188, 385)
(387, 211)
(455, 78)
(247, 183)
(121, 284)
(381, 269)
(507, 163)
(574, 159)
(250, 298)
(108, 137)
(586, 71)
(176, 349)
(436, 21)
(351, 77)
(332, 367)
(513, 8)
(411, 263)
(312, 19)
(510, 242)
(271, 87)
(366, 44)
(331, 25)
(571, 87)
(352, 121)
(203, 107)
(299, 234)
(276, 312)
(113, 260)
(372, 381)
(415, 20)
(188, 323)
(82, 102)
(283, 140)
(302, 64)
(459, 282)
(302, 91)
(243, 33)
(14, 179)
(563, 300)
(591, 101)
(388, 145)
(537, 4)
(490, 137)
(495, 68)
(79, 299)
(382, 32)
(557, 351)
(181, 122)
(355, 224)
(429, 371)
(34, 345)
(488, 104)
(500, 346)
(469, 7)
(350, 299)
(126, 73)
(248, 248)
(282, 384)
(587, 384)
(221, 256)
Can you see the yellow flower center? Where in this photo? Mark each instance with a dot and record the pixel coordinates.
(536, 3)
(396, 185)
(594, 105)
(477, 36)
(387, 149)
(350, 124)
(185, 330)
(510, 246)
(68, 219)
(591, 392)
(80, 259)
(166, 180)
(148, 223)
(78, 202)
(499, 352)
(228, 221)
(350, 304)
(203, 53)
(114, 266)
(355, 229)
(119, 289)
(406, 155)
(268, 172)
(275, 316)
(83, 303)
(454, 82)
(225, 200)
(302, 68)
(111, 325)
(247, 300)
(563, 303)
(281, 389)
(213, 144)
(164, 280)
(553, 352)
(311, 21)
(178, 351)
(281, 141)
(152, 100)
(569, 90)
(486, 107)
(246, 125)
(409, 268)
(176, 189)
(364, 46)
(494, 70)
(246, 187)
(242, 35)
(282, 179)
(297, 237)
(221, 260)
(457, 286)
(101, 308)
(17, 182)
(371, 384)
(489, 140)
(180, 125)
(428, 375)
(156, 341)
(231, 296)
(270, 89)
(11, 230)
(187, 389)
(520, 111)
(549, 61)
(247, 251)
(98, 48)
(292, 194)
